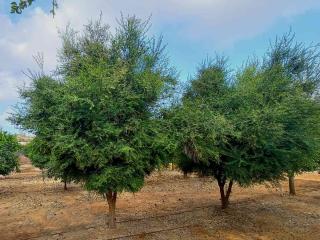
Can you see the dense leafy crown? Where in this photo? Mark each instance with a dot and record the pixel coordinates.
(9, 147)
(100, 121)
(255, 126)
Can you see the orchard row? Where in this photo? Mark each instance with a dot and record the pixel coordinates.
(114, 110)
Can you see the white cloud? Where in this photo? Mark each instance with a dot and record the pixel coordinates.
(221, 21)
(207, 22)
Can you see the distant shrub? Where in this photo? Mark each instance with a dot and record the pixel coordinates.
(9, 147)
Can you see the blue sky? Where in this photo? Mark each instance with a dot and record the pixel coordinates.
(193, 30)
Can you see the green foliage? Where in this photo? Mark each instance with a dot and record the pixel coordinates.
(37, 151)
(255, 126)
(39, 115)
(106, 118)
(300, 64)
(18, 7)
(9, 147)
(101, 122)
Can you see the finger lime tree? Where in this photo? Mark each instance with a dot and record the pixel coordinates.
(249, 128)
(101, 121)
(300, 64)
(9, 147)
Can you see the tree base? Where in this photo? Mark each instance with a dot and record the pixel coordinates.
(112, 198)
(225, 195)
(292, 189)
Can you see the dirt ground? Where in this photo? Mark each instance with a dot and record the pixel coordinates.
(168, 207)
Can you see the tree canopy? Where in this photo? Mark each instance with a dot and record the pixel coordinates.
(252, 127)
(9, 147)
(105, 117)
(301, 64)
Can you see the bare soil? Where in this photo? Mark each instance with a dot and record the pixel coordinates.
(168, 207)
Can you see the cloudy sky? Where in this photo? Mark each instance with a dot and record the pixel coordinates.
(193, 30)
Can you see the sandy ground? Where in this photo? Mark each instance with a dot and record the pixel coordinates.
(168, 207)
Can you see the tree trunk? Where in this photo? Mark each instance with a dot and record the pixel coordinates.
(292, 189)
(171, 166)
(225, 195)
(112, 198)
(185, 175)
(43, 174)
(65, 185)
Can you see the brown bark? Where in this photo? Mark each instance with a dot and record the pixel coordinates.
(229, 190)
(65, 185)
(292, 189)
(225, 195)
(112, 198)
(185, 175)
(42, 174)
